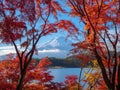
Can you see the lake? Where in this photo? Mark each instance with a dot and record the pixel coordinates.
(60, 73)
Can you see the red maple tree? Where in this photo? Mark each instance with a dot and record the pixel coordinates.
(37, 75)
(100, 18)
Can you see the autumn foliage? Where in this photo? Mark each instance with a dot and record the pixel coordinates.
(37, 77)
(101, 36)
(24, 22)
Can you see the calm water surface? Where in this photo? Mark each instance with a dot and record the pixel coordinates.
(60, 73)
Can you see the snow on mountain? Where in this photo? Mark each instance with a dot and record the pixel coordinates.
(57, 47)
(56, 43)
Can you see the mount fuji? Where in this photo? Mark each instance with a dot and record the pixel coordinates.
(57, 47)
(56, 43)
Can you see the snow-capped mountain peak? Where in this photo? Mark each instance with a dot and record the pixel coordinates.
(57, 43)
(54, 42)
(56, 47)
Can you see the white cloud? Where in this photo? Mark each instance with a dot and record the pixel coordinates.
(50, 50)
(6, 47)
(51, 53)
(6, 50)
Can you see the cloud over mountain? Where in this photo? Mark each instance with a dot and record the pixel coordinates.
(56, 47)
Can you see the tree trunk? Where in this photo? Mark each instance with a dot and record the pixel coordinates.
(21, 79)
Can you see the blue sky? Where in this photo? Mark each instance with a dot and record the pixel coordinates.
(5, 49)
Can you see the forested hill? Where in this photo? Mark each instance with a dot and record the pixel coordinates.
(69, 62)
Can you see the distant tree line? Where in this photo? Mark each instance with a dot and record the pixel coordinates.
(69, 62)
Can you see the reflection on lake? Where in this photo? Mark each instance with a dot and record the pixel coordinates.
(60, 73)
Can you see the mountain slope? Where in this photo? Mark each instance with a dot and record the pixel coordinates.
(57, 47)
(56, 43)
